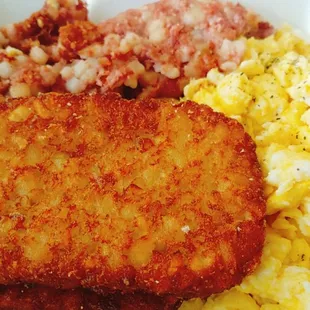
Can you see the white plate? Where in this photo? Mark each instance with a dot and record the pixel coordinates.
(294, 12)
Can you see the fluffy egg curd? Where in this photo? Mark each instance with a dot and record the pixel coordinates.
(269, 94)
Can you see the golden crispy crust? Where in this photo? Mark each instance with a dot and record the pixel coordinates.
(127, 195)
(28, 297)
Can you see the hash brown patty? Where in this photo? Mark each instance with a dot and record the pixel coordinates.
(151, 195)
(33, 297)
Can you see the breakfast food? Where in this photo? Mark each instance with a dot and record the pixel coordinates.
(258, 78)
(151, 195)
(147, 52)
(29, 62)
(172, 41)
(32, 297)
(42, 28)
(269, 95)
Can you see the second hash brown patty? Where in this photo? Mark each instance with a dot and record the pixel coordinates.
(33, 297)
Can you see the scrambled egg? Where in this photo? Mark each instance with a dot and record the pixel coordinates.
(269, 94)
